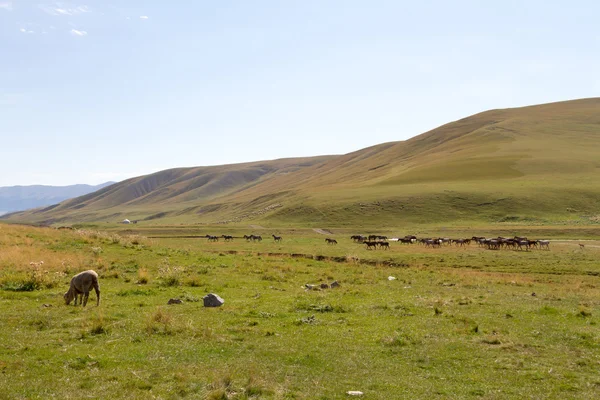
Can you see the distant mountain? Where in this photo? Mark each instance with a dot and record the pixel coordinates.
(18, 198)
(538, 164)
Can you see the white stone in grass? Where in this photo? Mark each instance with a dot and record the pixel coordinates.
(213, 300)
(354, 393)
(391, 278)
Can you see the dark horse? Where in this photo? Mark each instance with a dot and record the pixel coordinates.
(371, 244)
(277, 238)
(331, 241)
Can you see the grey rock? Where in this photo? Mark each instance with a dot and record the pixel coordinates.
(175, 301)
(213, 300)
(324, 286)
(334, 284)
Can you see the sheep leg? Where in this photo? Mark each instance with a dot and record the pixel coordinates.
(86, 294)
(97, 289)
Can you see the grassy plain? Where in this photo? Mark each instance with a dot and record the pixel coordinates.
(455, 323)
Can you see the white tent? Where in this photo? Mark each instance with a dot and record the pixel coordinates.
(126, 221)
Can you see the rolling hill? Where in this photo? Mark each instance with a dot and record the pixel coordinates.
(536, 164)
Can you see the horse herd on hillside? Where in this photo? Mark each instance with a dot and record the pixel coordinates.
(374, 242)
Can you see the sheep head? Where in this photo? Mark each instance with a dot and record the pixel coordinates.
(68, 297)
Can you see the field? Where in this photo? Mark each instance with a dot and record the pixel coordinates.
(454, 323)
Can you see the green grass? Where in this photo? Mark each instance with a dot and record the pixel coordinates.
(456, 323)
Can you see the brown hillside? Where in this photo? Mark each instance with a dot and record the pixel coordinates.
(547, 151)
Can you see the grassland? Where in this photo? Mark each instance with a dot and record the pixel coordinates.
(455, 323)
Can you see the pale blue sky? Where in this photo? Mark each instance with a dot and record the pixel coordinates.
(96, 90)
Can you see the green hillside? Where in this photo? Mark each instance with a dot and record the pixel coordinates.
(537, 164)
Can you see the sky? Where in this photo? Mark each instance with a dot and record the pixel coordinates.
(103, 90)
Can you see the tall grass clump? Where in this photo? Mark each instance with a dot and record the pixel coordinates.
(159, 322)
(170, 275)
(143, 276)
(98, 325)
(35, 279)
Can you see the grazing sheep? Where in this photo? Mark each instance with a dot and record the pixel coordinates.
(81, 285)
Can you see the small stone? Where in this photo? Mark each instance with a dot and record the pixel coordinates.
(533, 294)
(391, 278)
(46, 305)
(324, 286)
(213, 300)
(354, 393)
(334, 284)
(175, 301)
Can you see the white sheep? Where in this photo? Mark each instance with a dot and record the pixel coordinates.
(81, 285)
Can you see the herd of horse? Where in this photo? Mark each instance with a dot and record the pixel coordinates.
(248, 238)
(495, 243)
(373, 242)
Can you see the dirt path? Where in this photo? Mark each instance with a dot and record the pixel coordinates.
(575, 242)
(323, 231)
